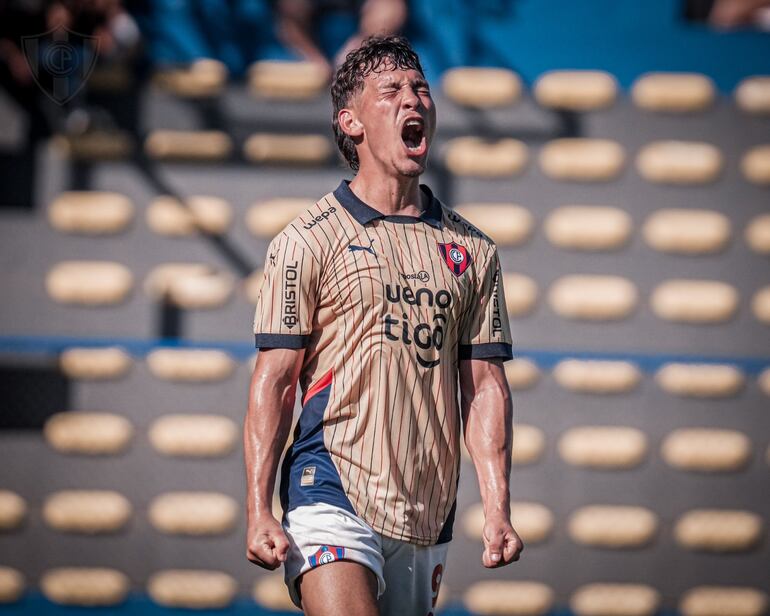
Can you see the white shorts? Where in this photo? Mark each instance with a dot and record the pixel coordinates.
(320, 534)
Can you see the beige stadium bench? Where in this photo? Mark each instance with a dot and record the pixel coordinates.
(755, 165)
(603, 447)
(267, 218)
(506, 224)
(197, 589)
(719, 530)
(588, 227)
(508, 598)
(521, 374)
(700, 380)
(188, 145)
(12, 585)
(89, 283)
(13, 510)
(476, 157)
(605, 599)
(171, 217)
(680, 162)
(276, 79)
(752, 95)
(91, 212)
(195, 436)
(673, 92)
(533, 521)
(597, 376)
(203, 78)
(613, 526)
(88, 512)
(757, 234)
(481, 88)
(85, 586)
(193, 513)
(95, 145)
(687, 231)
(95, 364)
(706, 450)
(190, 365)
(695, 301)
(193, 286)
(302, 150)
(88, 433)
(520, 294)
(582, 160)
(723, 601)
(593, 297)
(576, 90)
(269, 592)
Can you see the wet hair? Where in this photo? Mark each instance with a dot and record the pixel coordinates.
(374, 52)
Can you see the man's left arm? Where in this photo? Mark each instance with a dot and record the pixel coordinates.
(487, 416)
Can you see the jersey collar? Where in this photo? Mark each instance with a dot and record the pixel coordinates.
(364, 213)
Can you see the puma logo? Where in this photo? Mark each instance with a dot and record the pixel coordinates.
(369, 249)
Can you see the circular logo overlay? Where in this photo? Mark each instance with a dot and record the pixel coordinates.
(456, 256)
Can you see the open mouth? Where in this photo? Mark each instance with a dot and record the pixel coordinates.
(413, 136)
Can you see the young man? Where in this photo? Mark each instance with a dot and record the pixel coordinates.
(376, 300)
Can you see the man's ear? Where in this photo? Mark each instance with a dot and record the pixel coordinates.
(349, 123)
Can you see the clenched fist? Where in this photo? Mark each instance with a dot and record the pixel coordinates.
(502, 545)
(266, 543)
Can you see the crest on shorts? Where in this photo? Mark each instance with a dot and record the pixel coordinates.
(456, 257)
(326, 554)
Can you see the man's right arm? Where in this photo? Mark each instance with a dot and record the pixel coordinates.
(265, 431)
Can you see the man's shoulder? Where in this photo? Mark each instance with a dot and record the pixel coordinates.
(458, 225)
(312, 225)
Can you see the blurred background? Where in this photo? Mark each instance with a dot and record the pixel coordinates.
(619, 154)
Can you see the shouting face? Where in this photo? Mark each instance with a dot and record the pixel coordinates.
(392, 120)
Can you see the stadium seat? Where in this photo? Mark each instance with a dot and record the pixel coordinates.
(193, 436)
(520, 294)
(700, 380)
(764, 381)
(253, 284)
(596, 376)
(718, 530)
(588, 227)
(89, 283)
(603, 447)
(723, 601)
(673, 92)
(707, 450)
(521, 373)
(85, 586)
(203, 78)
(757, 234)
(755, 165)
(576, 90)
(473, 156)
(88, 433)
(593, 297)
(95, 364)
(533, 522)
(507, 224)
(193, 513)
(197, 589)
(185, 145)
(481, 88)
(190, 365)
(169, 216)
(582, 160)
(508, 598)
(695, 301)
(305, 150)
(603, 599)
(193, 286)
(95, 145)
(753, 94)
(760, 305)
(88, 512)
(13, 510)
(679, 162)
(687, 231)
(528, 444)
(12, 585)
(270, 593)
(612, 526)
(266, 219)
(277, 79)
(91, 212)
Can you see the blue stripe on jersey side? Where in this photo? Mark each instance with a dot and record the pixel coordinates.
(308, 451)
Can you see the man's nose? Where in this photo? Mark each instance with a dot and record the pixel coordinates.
(410, 100)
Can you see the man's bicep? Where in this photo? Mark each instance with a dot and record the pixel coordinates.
(477, 375)
(277, 366)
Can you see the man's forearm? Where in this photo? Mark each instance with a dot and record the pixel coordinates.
(488, 435)
(266, 428)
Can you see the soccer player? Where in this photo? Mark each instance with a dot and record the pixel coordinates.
(378, 300)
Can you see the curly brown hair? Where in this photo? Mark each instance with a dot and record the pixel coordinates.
(349, 79)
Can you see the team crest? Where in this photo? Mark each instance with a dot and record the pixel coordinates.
(326, 554)
(456, 257)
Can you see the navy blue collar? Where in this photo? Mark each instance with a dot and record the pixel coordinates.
(364, 213)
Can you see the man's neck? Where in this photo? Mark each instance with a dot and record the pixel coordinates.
(389, 195)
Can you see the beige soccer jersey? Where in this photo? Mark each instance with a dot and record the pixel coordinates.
(386, 307)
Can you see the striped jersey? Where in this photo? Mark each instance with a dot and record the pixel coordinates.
(385, 306)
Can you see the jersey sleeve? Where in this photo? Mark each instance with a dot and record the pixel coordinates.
(487, 333)
(287, 299)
